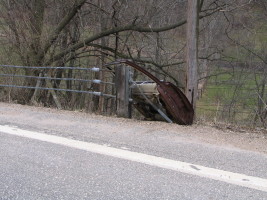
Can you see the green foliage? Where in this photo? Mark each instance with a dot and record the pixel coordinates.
(230, 95)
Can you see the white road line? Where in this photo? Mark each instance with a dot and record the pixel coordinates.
(188, 168)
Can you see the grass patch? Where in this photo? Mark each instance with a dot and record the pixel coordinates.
(230, 96)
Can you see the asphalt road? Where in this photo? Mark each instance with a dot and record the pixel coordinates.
(34, 169)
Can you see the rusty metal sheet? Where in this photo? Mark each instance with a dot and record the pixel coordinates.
(176, 103)
(178, 108)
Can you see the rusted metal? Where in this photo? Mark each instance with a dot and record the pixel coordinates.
(178, 108)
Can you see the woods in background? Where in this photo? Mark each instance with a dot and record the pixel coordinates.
(232, 58)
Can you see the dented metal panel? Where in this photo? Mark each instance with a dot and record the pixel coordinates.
(177, 106)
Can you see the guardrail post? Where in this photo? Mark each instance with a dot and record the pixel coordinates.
(123, 106)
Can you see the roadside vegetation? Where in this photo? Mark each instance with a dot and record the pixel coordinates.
(232, 53)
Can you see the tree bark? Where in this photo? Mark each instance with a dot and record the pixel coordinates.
(192, 52)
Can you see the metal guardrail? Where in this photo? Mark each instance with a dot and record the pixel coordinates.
(94, 69)
(58, 89)
(96, 81)
(43, 76)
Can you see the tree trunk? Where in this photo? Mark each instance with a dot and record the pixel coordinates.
(35, 29)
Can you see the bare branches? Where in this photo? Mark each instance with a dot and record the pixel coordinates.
(130, 27)
(65, 21)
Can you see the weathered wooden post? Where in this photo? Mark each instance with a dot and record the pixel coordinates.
(123, 105)
(192, 52)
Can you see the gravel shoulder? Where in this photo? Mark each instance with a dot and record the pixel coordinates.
(61, 120)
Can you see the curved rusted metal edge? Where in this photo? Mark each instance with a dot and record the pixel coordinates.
(128, 62)
(184, 117)
(176, 103)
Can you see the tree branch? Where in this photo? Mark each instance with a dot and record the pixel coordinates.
(142, 60)
(129, 27)
(65, 21)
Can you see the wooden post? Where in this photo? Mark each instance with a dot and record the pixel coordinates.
(123, 91)
(192, 52)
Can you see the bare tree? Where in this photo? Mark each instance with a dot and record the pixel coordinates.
(69, 32)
